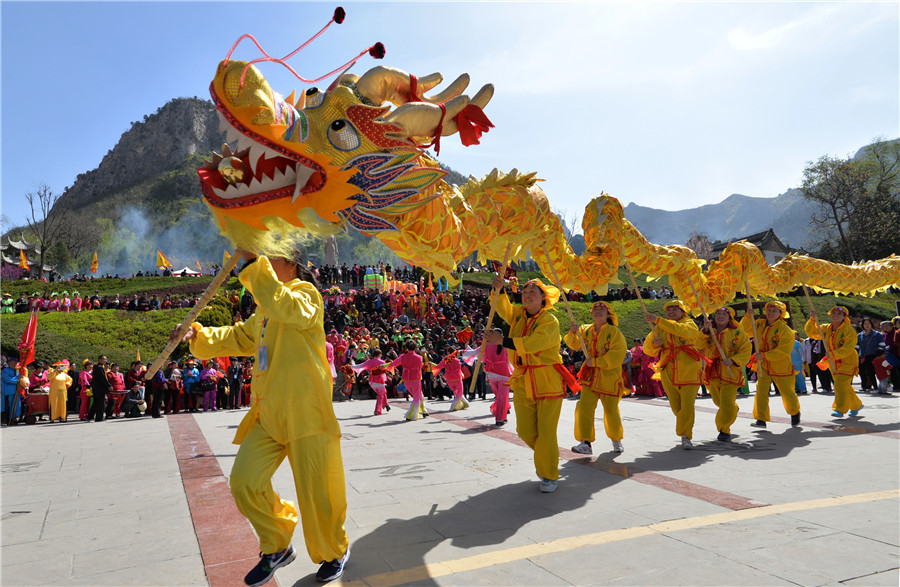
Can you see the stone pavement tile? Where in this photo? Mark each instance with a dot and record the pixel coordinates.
(23, 523)
(747, 535)
(650, 560)
(184, 570)
(876, 520)
(524, 572)
(821, 559)
(889, 578)
(161, 546)
(49, 570)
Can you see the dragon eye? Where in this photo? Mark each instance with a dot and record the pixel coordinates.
(343, 136)
(314, 98)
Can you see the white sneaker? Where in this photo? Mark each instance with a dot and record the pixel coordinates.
(686, 443)
(549, 485)
(583, 448)
(617, 446)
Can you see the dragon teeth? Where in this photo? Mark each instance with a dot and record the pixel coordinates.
(303, 175)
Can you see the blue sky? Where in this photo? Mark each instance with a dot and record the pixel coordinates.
(668, 105)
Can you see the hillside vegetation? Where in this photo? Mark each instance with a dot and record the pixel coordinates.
(118, 334)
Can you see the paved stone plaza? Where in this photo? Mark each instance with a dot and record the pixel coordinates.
(451, 500)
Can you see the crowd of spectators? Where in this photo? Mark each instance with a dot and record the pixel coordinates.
(74, 302)
(357, 322)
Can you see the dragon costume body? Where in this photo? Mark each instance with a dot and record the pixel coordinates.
(344, 157)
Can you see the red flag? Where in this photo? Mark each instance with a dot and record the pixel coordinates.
(224, 362)
(26, 346)
(496, 266)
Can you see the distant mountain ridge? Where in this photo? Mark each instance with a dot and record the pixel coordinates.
(734, 217)
(150, 174)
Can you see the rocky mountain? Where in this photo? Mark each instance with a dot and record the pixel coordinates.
(735, 216)
(159, 144)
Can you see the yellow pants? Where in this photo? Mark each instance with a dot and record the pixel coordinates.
(536, 423)
(845, 398)
(57, 401)
(724, 395)
(681, 400)
(321, 492)
(785, 388)
(584, 416)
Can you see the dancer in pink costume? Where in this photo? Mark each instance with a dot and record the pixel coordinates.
(329, 354)
(498, 369)
(453, 373)
(377, 379)
(412, 379)
(84, 380)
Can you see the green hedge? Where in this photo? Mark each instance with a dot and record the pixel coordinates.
(118, 333)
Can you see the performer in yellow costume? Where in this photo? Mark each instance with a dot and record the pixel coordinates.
(600, 377)
(59, 385)
(773, 362)
(291, 416)
(537, 381)
(680, 363)
(723, 386)
(840, 338)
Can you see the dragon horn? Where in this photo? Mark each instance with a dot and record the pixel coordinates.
(420, 119)
(381, 84)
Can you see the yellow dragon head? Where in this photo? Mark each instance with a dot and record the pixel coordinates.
(333, 157)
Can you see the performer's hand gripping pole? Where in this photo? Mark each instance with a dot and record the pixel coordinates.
(572, 321)
(759, 364)
(712, 334)
(214, 285)
(821, 332)
(490, 319)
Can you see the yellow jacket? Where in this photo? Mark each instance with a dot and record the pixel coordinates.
(737, 347)
(606, 349)
(537, 349)
(679, 355)
(59, 382)
(841, 343)
(292, 382)
(776, 341)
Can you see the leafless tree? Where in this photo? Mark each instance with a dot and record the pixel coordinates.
(699, 243)
(47, 221)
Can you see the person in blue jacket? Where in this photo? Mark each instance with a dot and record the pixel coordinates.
(191, 377)
(10, 407)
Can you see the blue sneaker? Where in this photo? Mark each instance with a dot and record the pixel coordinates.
(836, 414)
(268, 563)
(548, 485)
(854, 412)
(331, 570)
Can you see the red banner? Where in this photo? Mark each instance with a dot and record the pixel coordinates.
(26, 346)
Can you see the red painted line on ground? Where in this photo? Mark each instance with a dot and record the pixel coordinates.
(836, 426)
(686, 488)
(228, 545)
